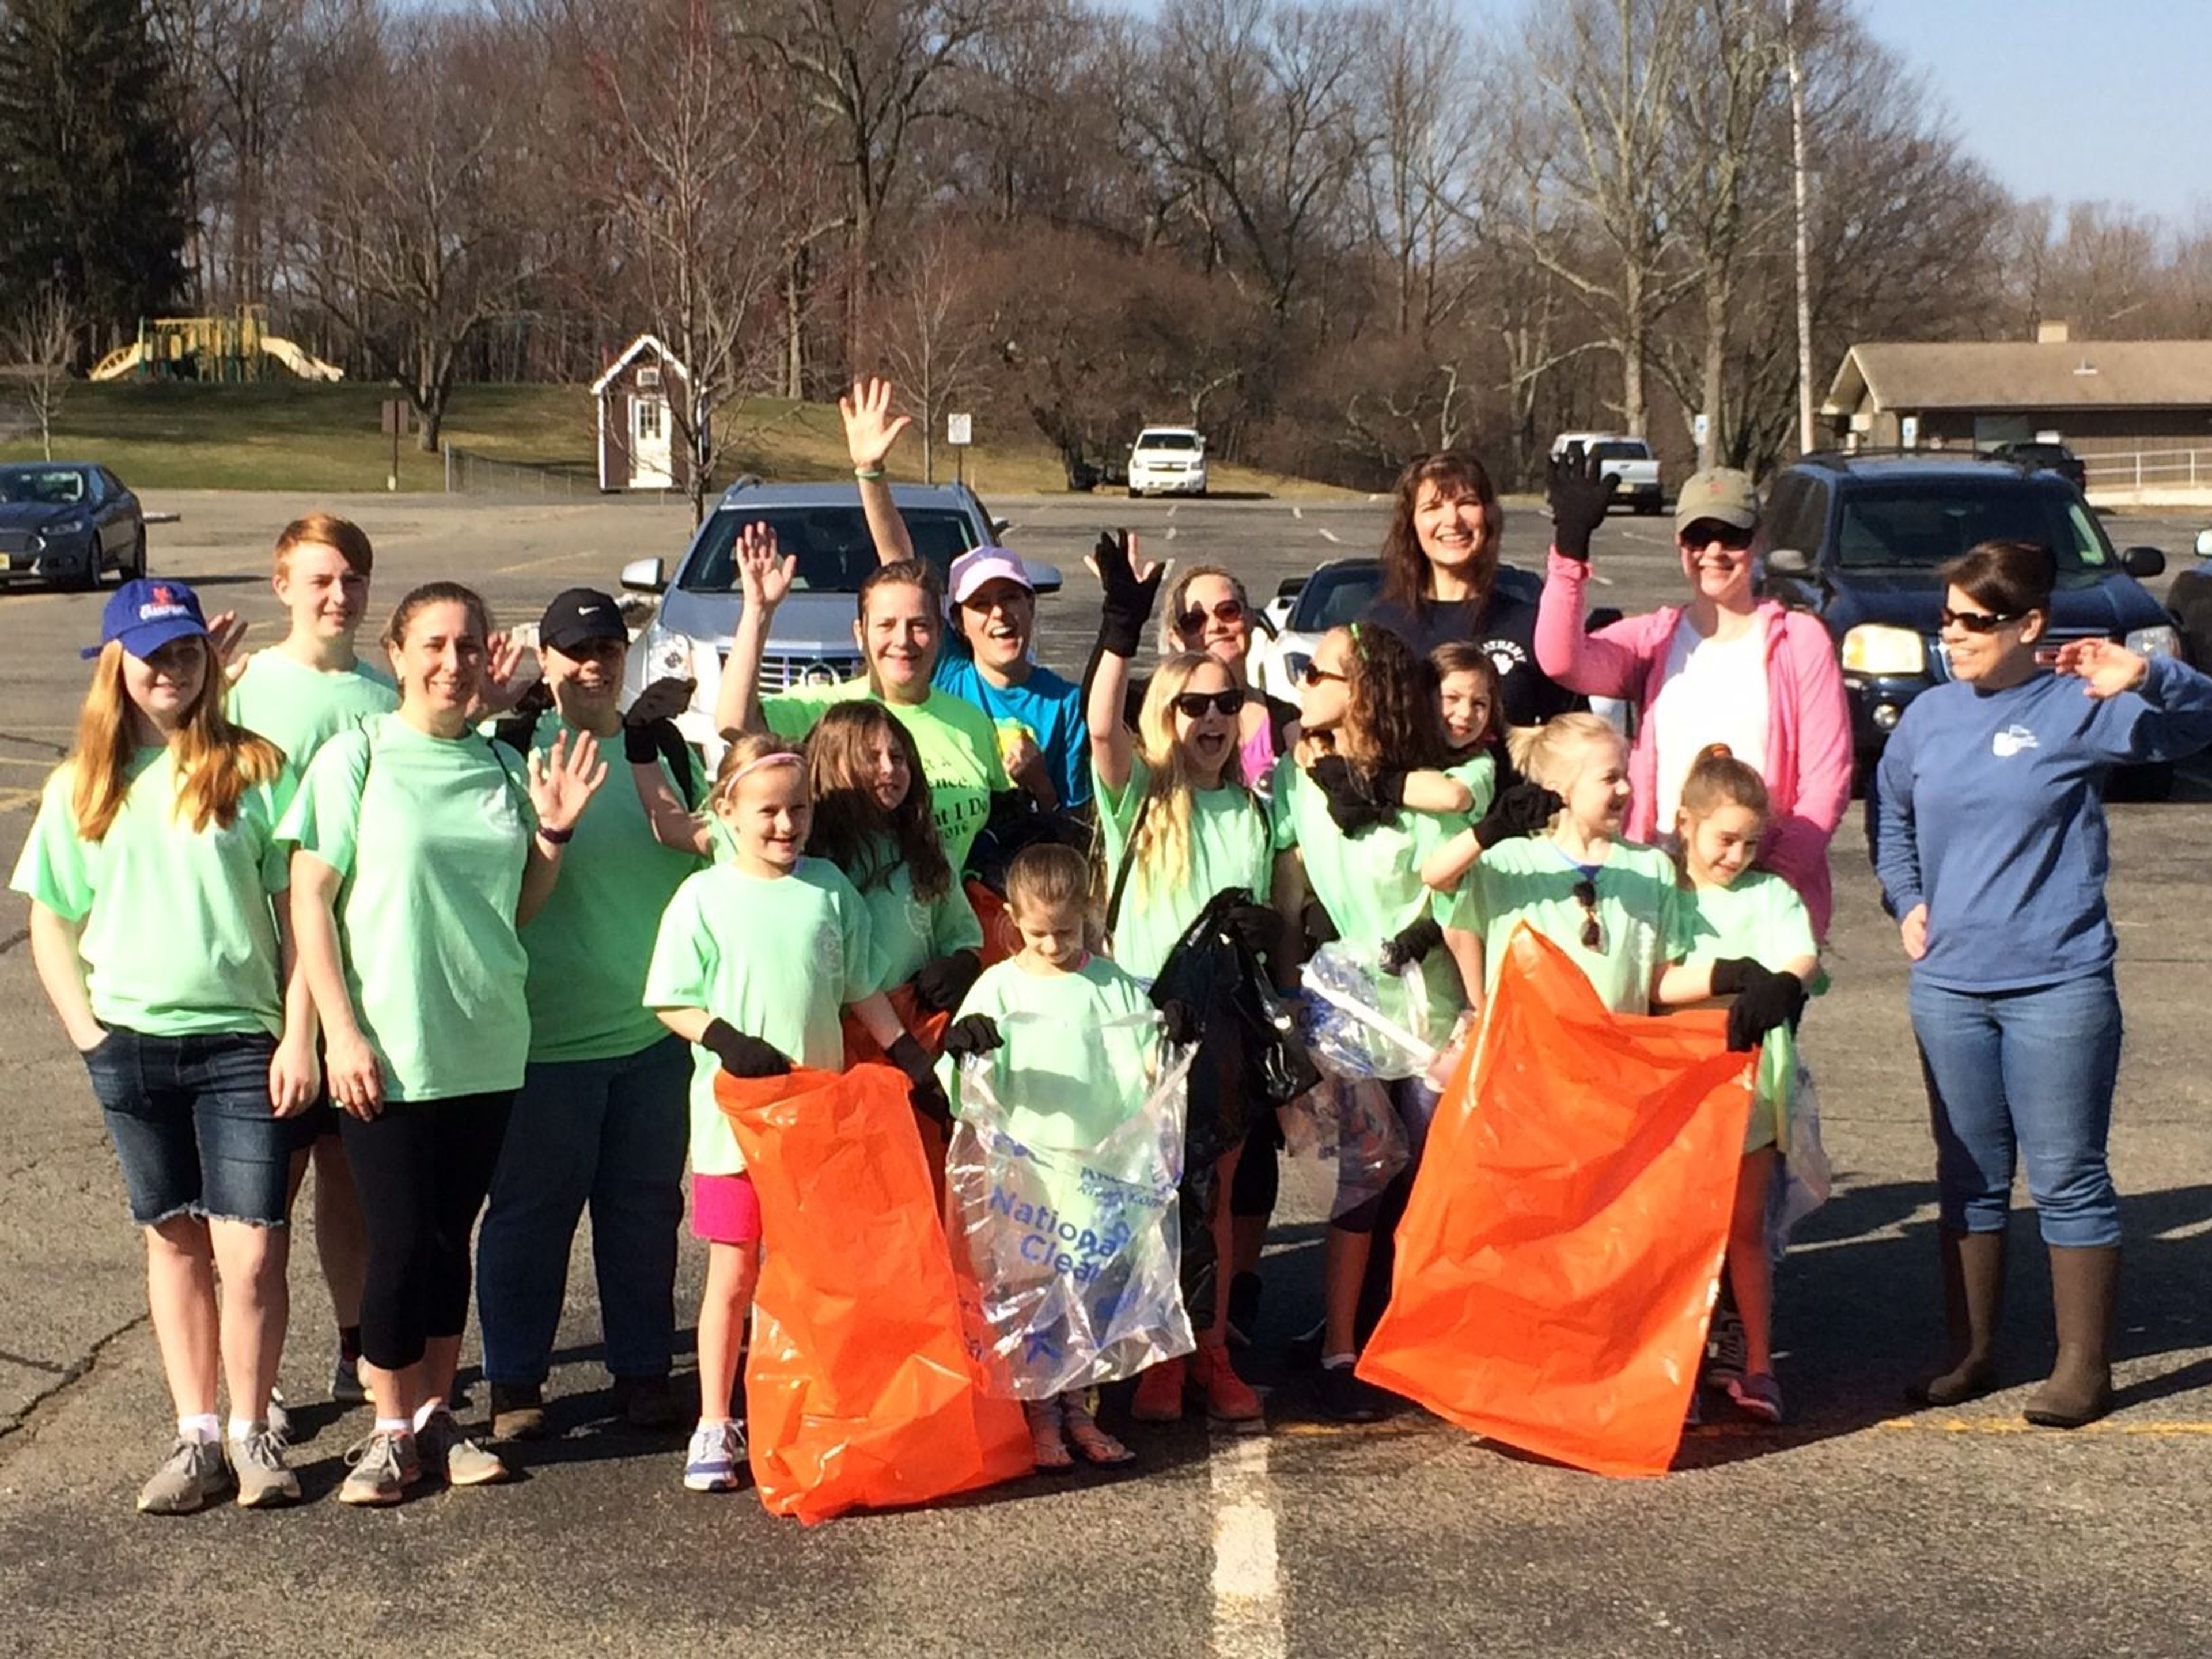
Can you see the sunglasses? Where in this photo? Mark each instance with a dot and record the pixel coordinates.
(1313, 674)
(1593, 931)
(1975, 622)
(1229, 611)
(1193, 705)
(1706, 532)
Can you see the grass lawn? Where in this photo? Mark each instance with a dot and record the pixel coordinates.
(296, 435)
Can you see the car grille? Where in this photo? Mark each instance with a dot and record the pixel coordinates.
(782, 673)
(18, 541)
(1939, 651)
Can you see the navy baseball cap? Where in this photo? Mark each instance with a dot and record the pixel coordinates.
(147, 614)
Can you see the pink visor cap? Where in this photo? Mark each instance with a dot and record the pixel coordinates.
(980, 565)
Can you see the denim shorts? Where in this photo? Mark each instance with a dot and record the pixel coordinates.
(190, 1120)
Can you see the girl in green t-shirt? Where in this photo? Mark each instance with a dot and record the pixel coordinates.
(153, 871)
(1471, 710)
(1753, 933)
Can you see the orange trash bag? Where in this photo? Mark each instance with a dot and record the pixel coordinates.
(928, 1029)
(861, 1391)
(1562, 1246)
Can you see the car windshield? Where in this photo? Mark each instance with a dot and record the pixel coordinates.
(46, 486)
(1635, 450)
(1167, 441)
(1331, 598)
(831, 544)
(1919, 525)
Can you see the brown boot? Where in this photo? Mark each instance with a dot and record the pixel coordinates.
(1973, 1307)
(2085, 1283)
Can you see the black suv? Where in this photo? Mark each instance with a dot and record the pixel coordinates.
(2049, 457)
(1859, 538)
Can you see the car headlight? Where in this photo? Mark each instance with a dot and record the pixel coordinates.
(68, 527)
(1875, 648)
(2159, 641)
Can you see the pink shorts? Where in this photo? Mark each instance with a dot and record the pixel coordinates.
(725, 1209)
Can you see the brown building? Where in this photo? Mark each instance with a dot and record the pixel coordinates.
(2138, 412)
(640, 447)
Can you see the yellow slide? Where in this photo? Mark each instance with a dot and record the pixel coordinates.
(300, 362)
(120, 361)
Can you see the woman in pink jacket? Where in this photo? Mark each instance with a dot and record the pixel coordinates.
(1725, 668)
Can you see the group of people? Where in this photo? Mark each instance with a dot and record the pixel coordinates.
(427, 948)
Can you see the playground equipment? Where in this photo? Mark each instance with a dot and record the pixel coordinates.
(234, 348)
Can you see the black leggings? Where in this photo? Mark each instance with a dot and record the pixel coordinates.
(421, 1169)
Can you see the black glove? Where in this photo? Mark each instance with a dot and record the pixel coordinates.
(1411, 945)
(947, 981)
(653, 716)
(923, 1089)
(1579, 490)
(1178, 1022)
(972, 1033)
(741, 1055)
(1521, 808)
(1127, 605)
(1773, 1000)
(1256, 927)
(1735, 974)
(1356, 803)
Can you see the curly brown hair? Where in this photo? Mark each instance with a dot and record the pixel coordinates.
(1456, 474)
(1390, 715)
(850, 829)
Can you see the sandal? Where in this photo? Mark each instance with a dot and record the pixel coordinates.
(1096, 1445)
(1048, 1449)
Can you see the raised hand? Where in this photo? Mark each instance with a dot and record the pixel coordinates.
(1129, 591)
(563, 779)
(648, 720)
(504, 681)
(226, 633)
(871, 428)
(1579, 491)
(2104, 669)
(764, 575)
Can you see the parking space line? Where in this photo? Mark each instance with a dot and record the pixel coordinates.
(1297, 512)
(1247, 1590)
(1170, 535)
(1328, 535)
(550, 558)
(15, 800)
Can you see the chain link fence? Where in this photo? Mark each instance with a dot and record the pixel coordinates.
(468, 473)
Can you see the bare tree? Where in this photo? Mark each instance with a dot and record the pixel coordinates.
(43, 341)
(934, 336)
(1419, 180)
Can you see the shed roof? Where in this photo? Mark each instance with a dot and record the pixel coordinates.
(2023, 374)
(643, 343)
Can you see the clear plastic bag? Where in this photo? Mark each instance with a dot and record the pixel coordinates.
(1344, 1026)
(1075, 1250)
(1806, 1177)
(1347, 1122)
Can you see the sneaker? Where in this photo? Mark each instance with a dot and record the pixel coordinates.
(1159, 1392)
(716, 1451)
(346, 1387)
(450, 1451)
(264, 1482)
(649, 1404)
(1244, 1309)
(193, 1476)
(1344, 1398)
(518, 1411)
(1230, 1402)
(1724, 1346)
(380, 1468)
(280, 1420)
(1758, 1396)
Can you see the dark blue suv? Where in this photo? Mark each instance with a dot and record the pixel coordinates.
(1859, 539)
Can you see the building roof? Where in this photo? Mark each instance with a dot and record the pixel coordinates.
(643, 343)
(1898, 375)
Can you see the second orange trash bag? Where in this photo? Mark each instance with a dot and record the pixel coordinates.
(861, 1390)
(1558, 1257)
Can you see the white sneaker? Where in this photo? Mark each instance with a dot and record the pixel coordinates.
(711, 1463)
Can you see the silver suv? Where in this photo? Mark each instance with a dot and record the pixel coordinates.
(811, 643)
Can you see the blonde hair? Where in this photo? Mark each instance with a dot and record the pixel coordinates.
(746, 750)
(1172, 642)
(1551, 754)
(1050, 875)
(341, 536)
(215, 762)
(1163, 838)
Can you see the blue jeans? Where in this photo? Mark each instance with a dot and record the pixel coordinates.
(2024, 1074)
(192, 1124)
(611, 1134)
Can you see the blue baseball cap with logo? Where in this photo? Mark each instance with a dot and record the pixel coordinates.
(147, 614)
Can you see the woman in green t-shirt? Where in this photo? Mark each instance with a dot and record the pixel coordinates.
(421, 849)
(163, 820)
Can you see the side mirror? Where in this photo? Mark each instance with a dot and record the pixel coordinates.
(1043, 578)
(2204, 544)
(2143, 562)
(1291, 587)
(1788, 561)
(1000, 526)
(1264, 623)
(645, 576)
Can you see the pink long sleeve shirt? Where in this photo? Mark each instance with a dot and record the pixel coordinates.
(1809, 743)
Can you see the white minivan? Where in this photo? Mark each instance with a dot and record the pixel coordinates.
(1168, 461)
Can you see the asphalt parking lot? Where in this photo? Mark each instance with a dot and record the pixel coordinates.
(1861, 1529)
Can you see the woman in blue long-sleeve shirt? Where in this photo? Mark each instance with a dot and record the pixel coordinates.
(1990, 842)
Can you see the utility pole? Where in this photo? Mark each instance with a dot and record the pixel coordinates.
(1804, 276)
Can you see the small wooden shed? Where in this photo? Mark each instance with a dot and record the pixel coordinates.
(640, 447)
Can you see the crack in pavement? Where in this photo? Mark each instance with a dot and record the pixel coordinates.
(59, 751)
(14, 939)
(65, 1378)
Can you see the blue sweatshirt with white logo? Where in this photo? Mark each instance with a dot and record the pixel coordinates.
(1989, 808)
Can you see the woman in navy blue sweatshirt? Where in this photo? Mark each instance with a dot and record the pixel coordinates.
(1990, 842)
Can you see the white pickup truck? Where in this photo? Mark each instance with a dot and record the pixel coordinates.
(1629, 459)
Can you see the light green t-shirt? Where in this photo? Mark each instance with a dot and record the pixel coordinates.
(589, 945)
(1643, 915)
(906, 932)
(777, 958)
(300, 708)
(1479, 773)
(431, 835)
(1064, 1078)
(1760, 916)
(1371, 885)
(1230, 847)
(958, 745)
(178, 936)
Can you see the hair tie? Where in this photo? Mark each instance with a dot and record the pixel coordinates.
(1720, 751)
(782, 758)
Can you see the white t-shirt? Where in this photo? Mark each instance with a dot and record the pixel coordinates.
(1715, 691)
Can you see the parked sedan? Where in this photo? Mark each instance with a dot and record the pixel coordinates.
(65, 523)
